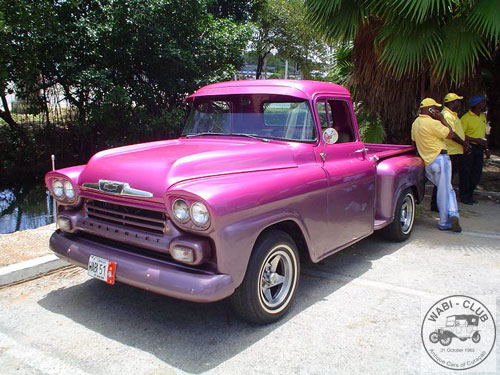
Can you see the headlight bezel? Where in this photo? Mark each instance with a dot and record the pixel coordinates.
(188, 223)
(62, 182)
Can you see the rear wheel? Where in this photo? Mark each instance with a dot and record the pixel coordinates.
(476, 337)
(400, 229)
(270, 282)
(445, 339)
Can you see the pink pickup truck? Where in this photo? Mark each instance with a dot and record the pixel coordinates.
(265, 173)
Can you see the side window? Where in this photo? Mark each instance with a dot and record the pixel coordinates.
(289, 120)
(323, 117)
(340, 118)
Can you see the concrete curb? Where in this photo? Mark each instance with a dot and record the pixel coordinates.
(29, 269)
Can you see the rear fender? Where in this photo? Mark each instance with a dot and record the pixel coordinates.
(394, 175)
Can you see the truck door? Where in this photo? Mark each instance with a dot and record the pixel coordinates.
(351, 175)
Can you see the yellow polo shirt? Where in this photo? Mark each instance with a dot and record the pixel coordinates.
(474, 125)
(429, 136)
(453, 120)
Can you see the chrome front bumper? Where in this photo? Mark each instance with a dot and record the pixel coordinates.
(152, 274)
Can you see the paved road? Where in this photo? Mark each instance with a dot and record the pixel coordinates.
(357, 312)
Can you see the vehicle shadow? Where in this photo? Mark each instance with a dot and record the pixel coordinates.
(198, 337)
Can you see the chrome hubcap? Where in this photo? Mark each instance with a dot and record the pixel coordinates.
(276, 279)
(407, 213)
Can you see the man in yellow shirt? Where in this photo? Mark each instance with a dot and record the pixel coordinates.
(429, 131)
(474, 125)
(455, 150)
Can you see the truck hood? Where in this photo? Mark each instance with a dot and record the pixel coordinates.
(156, 166)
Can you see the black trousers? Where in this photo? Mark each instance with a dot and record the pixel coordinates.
(473, 169)
(457, 166)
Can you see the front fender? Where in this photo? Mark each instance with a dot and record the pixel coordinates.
(245, 204)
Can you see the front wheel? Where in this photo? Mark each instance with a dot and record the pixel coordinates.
(272, 276)
(400, 229)
(434, 337)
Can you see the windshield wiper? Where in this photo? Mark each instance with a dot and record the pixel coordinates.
(254, 136)
(190, 135)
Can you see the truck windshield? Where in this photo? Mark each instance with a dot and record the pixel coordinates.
(264, 116)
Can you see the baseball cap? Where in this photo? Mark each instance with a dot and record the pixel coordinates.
(427, 102)
(451, 97)
(476, 99)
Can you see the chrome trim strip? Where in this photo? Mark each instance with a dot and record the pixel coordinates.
(117, 188)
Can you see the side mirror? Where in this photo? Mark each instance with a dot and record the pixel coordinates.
(330, 136)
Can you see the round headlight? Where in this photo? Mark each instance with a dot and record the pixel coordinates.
(199, 214)
(69, 190)
(181, 210)
(57, 188)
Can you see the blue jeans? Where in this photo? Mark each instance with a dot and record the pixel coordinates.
(439, 173)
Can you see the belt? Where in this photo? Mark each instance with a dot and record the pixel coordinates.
(444, 152)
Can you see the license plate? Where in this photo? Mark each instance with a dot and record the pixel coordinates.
(102, 269)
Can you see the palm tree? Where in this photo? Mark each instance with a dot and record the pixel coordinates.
(404, 50)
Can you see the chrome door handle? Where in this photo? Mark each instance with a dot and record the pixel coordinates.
(364, 149)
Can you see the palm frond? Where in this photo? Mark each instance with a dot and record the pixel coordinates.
(414, 10)
(461, 50)
(337, 20)
(406, 46)
(485, 19)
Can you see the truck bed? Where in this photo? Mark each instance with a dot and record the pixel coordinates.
(383, 151)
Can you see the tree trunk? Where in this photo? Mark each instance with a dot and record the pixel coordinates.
(493, 93)
(261, 59)
(6, 115)
(45, 105)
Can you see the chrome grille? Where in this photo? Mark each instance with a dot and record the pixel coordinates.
(126, 216)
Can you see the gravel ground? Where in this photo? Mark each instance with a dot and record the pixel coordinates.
(27, 244)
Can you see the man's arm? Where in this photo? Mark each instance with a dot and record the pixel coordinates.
(479, 141)
(451, 135)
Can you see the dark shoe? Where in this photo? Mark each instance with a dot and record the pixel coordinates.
(455, 224)
(474, 201)
(467, 202)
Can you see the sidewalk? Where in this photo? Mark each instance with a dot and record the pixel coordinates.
(26, 254)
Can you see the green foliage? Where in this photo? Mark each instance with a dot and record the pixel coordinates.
(371, 129)
(342, 67)
(125, 66)
(450, 36)
(281, 26)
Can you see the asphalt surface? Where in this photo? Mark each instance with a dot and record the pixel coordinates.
(358, 312)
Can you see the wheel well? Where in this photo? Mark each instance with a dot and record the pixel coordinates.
(415, 193)
(293, 230)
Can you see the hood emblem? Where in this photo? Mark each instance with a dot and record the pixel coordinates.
(116, 187)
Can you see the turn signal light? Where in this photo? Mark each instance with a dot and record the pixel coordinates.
(182, 254)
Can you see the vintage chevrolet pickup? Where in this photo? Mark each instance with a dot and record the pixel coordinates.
(265, 173)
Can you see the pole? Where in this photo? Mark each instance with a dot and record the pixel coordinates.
(54, 205)
(286, 69)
